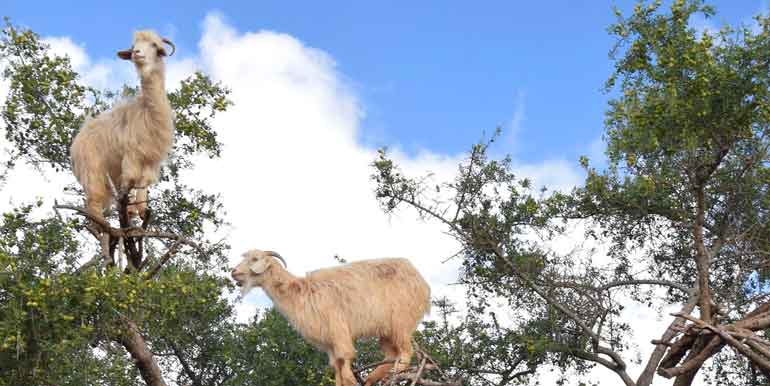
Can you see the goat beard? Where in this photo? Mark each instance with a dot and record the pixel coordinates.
(246, 286)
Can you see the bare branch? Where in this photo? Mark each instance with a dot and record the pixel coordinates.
(419, 372)
(695, 361)
(664, 283)
(414, 374)
(185, 366)
(645, 378)
(763, 363)
(134, 232)
(171, 252)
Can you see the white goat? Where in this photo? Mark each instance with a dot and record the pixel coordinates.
(127, 144)
(384, 298)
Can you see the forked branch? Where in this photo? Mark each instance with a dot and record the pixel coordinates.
(427, 373)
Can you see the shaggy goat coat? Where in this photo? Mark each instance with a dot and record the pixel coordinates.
(330, 308)
(128, 142)
(370, 298)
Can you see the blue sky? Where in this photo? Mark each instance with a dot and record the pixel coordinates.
(432, 76)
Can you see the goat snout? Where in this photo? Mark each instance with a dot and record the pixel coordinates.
(236, 275)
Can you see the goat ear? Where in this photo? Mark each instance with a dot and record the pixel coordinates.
(259, 267)
(125, 54)
(162, 51)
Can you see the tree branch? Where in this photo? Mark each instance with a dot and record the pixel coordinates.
(647, 375)
(695, 361)
(134, 232)
(170, 253)
(702, 258)
(145, 362)
(763, 363)
(185, 366)
(663, 283)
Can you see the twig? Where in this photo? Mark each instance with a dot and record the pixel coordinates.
(90, 263)
(121, 254)
(101, 222)
(413, 374)
(373, 365)
(114, 190)
(145, 223)
(58, 215)
(104, 241)
(171, 251)
(419, 371)
(426, 382)
(131, 231)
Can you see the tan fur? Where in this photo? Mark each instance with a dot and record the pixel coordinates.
(129, 142)
(384, 298)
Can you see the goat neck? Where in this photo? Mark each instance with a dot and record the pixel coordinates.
(154, 89)
(282, 288)
(154, 101)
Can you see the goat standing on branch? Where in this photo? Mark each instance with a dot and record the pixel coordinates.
(383, 298)
(126, 145)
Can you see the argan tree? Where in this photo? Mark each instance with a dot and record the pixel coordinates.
(683, 204)
(89, 302)
(72, 313)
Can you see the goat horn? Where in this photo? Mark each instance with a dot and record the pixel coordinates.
(276, 255)
(173, 47)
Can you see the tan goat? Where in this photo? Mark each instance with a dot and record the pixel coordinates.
(384, 298)
(128, 142)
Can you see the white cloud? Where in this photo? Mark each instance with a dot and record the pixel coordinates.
(298, 181)
(112, 73)
(555, 174)
(293, 177)
(101, 75)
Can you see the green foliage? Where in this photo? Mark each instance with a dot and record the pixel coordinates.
(687, 142)
(47, 104)
(692, 115)
(54, 315)
(64, 317)
(275, 355)
(62, 321)
(491, 207)
(44, 106)
(480, 351)
(500, 221)
(197, 101)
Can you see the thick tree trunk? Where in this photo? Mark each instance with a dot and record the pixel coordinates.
(702, 259)
(145, 362)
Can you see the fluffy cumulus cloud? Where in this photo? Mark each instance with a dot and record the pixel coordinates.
(296, 179)
(294, 176)
(101, 74)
